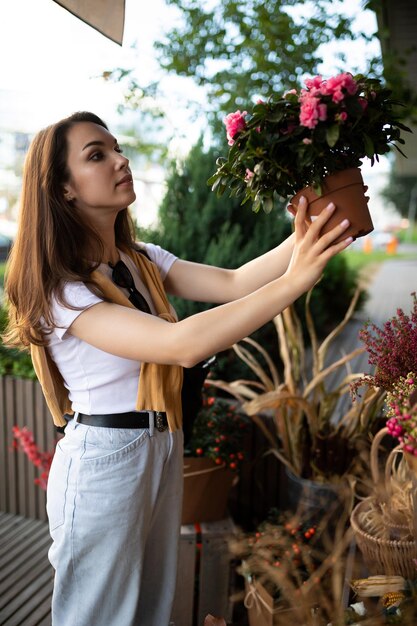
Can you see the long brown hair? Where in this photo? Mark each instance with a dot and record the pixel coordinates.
(53, 242)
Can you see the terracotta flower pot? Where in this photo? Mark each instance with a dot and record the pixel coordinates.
(206, 490)
(346, 189)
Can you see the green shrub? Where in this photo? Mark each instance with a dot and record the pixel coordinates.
(13, 362)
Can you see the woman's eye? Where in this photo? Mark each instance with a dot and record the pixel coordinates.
(96, 156)
(119, 149)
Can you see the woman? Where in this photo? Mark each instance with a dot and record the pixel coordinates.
(115, 486)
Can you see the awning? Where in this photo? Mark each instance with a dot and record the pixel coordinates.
(106, 16)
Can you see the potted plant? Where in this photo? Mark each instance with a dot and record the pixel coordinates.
(212, 458)
(311, 143)
(321, 436)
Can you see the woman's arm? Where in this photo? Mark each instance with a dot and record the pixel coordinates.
(205, 283)
(134, 335)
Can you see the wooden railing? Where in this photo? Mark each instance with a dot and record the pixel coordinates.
(22, 404)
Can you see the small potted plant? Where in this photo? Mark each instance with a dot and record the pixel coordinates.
(212, 458)
(311, 142)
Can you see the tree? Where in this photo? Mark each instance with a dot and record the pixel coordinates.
(240, 50)
(400, 192)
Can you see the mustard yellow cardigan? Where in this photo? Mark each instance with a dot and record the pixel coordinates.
(159, 385)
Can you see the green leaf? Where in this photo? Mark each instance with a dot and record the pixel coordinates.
(317, 188)
(212, 180)
(368, 145)
(267, 204)
(332, 135)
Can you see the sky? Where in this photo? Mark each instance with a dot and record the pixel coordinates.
(50, 61)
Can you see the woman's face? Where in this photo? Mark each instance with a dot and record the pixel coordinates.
(100, 179)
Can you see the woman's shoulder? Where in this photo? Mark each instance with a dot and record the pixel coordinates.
(162, 258)
(73, 294)
(69, 301)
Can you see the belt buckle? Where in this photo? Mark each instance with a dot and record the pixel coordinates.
(160, 421)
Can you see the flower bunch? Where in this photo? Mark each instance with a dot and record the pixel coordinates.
(219, 432)
(288, 143)
(402, 412)
(391, 349)
(24, 440)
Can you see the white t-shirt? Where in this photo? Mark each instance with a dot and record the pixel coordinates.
(97, 381)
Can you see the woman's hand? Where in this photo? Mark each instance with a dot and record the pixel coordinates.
(214, 621)
(313, 251)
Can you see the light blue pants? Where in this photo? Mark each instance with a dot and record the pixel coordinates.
(114, 505)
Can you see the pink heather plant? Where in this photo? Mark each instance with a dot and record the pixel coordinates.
(402, 412)
(391, 349)
(296, 140)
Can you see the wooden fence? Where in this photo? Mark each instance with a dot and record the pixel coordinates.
(22, 404)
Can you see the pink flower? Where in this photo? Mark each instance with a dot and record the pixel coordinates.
(309, 114)
(322, 109)
(290, 128)
(364, 103)
(313, 83)
(338, 95)
(249, 175)
(290, 92)
(334, 86)
(235, 123)
(307, 141)
(342, 117)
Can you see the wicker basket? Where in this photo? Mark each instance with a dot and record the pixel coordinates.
(383, 555)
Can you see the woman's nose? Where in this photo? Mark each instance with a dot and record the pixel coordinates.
(121, 160)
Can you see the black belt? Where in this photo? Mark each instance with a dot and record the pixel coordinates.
(131, 419)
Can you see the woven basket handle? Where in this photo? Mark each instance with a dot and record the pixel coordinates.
(389, 463)
(374, 454)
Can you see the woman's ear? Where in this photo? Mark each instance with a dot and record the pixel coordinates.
(68, 195)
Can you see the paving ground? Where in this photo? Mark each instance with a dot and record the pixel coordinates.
(391, 286)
